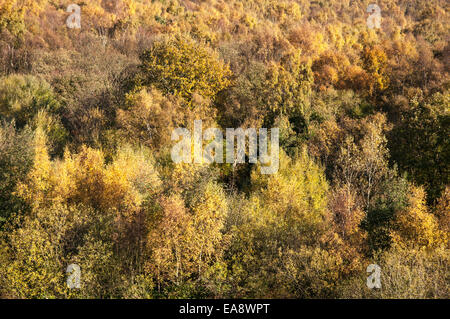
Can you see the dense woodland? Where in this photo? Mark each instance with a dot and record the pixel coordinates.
(86, 176)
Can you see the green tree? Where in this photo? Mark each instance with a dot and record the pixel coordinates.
(15, 161)
(420, 144)
(23, 96)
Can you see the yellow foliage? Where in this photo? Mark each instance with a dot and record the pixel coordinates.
(84, 178)
(38, 186)
(186, 239)
(415, 226)
(150, 118)
(297, 195)
(182, 67)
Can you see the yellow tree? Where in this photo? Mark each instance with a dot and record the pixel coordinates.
(347, 216)
(284, 228)
(169, 242)
(208, 208)
(182, 67)
(149, 118)
(12, 16)
(375, 63)
(415, 226)
(185, 240)
(38, 184)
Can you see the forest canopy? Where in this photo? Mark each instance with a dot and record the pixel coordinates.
(86, 177)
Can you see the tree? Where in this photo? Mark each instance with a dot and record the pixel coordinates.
(11, 17)
(379, 219)
(442, 210)
(169, 239)
(415, 226)
(348, 217)
(16, 160)
(420, 146)
(185, 240)
(375, 63)
(285, 220)
(35, 188)
(406, 273)
(364, 165)
(182, 67)
(23, 96)
(288, 87)
(37, 249)
(149, 118)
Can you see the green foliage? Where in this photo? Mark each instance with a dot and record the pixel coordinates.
(23, 96)
(422, 147)
(379, 219)
(15, 162)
